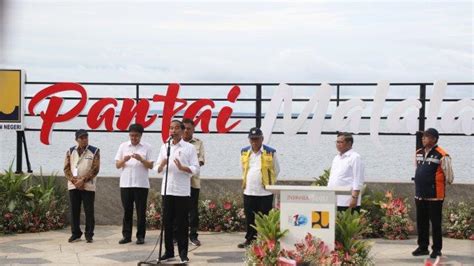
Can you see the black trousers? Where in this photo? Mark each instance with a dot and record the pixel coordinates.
(253, 205)
(194, 214)
(76, 197)
(176, 212)
(426, 211)
(139, 197)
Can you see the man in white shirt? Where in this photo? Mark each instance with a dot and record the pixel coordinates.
(347, 170)
(134, 160)
(176, 189)
(260, 167)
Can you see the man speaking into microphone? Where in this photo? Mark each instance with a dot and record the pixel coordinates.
(176, 189)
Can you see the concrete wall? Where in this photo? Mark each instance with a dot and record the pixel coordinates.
(108, 208)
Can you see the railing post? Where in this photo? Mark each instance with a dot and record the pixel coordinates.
(137, 93)
(338, 94)
(137, 97)
(421, 117)
(258, 106)
(19, 152)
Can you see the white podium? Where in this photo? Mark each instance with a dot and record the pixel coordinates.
(308, 209)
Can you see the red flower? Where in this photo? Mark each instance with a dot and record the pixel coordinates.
(347, 257)
(271, 244)
(227, 205)
(339, 246)
(212, 205)
(308, 238)
(258, 250)
(8, 216)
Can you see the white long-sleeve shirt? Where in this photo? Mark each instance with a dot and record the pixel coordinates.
(347, 170)
(179, 182)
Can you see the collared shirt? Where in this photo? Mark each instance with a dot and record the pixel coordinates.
(134, 173)
(254, 185)
(199, 146)
(179, 182)
(347, 170)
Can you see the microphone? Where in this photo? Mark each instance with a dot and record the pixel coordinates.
(169, 138)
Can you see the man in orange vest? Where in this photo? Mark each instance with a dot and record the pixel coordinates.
(433, 170)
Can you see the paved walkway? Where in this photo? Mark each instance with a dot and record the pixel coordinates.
(217, 249)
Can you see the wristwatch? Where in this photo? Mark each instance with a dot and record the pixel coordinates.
(354, 197)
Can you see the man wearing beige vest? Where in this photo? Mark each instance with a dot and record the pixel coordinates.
(81, 166)
(195, 181)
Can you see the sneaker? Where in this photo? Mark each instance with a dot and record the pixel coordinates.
(195, 242)
(125, 241)
(184, 259)
(89, 240)
(140, 241)
(74, 239)
(166, 257)
(420, 252)
(244, 244)
(435, 254)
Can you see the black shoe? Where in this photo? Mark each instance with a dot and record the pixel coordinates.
(435, 254)
(125, 241)
(166, 257)
(195, 242)
(74, 239)
(140, 241)
(244, 244)
(184, 259)
(420, 252)
(89, 240)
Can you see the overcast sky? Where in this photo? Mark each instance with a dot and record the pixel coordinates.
(239, 41)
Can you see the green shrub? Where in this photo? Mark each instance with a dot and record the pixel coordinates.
(350, 247)
(225, 214)
(266, 249)
(30, 203)
(372, 212)
(458, 221)
(323, 179)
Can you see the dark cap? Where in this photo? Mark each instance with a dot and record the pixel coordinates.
(432, 132)
(255, 132)
(81, 132)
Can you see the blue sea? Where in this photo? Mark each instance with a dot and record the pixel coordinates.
(299, 160)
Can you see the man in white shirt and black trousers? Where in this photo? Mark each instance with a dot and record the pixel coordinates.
(347, 170)
(183, 164)
(260, 168)
(134, 160)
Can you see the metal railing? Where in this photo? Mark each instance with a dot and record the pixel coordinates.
(258, 115)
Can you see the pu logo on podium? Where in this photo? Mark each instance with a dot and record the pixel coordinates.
(320, 220)
(298, 220)
(11, 99)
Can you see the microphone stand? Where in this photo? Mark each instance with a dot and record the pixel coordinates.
(168, 152)
(158, 261)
